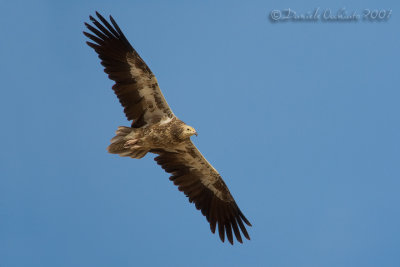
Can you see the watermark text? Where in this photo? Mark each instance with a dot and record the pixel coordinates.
(329, 15)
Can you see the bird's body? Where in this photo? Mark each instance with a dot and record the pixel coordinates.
(156, 129)
(167, 135)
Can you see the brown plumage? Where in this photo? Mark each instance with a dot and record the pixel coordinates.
(157, 130)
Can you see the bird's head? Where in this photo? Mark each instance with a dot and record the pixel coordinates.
(187, 131)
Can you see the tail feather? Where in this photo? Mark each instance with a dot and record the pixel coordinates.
(117, 145)
(118, 141)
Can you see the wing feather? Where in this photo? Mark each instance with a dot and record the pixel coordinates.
(135, 85)
(203, 185)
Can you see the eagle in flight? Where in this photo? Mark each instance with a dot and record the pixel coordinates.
(157, 130)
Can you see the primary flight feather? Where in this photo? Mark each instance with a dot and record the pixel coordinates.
(157, 130)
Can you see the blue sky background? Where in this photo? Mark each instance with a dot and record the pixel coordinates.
(301, 119)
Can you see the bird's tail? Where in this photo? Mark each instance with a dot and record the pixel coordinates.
(124, 144)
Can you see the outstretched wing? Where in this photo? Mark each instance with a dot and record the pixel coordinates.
(135, 85)
(203, 185)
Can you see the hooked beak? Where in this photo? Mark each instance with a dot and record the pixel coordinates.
(195, 133)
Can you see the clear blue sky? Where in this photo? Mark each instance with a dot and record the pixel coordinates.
(301, 119)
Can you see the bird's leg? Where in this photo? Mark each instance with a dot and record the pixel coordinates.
(133, 144)
(130, 142)
(136, 148)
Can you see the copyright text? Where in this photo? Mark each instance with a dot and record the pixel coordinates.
(328, 15)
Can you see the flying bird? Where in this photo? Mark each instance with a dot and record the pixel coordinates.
(155, 129)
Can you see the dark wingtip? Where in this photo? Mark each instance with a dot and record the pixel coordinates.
(222, 234)
(246, 235)
(92, 45)
(244, 218)
(112, 20)
(246, 221)
(99, 16)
